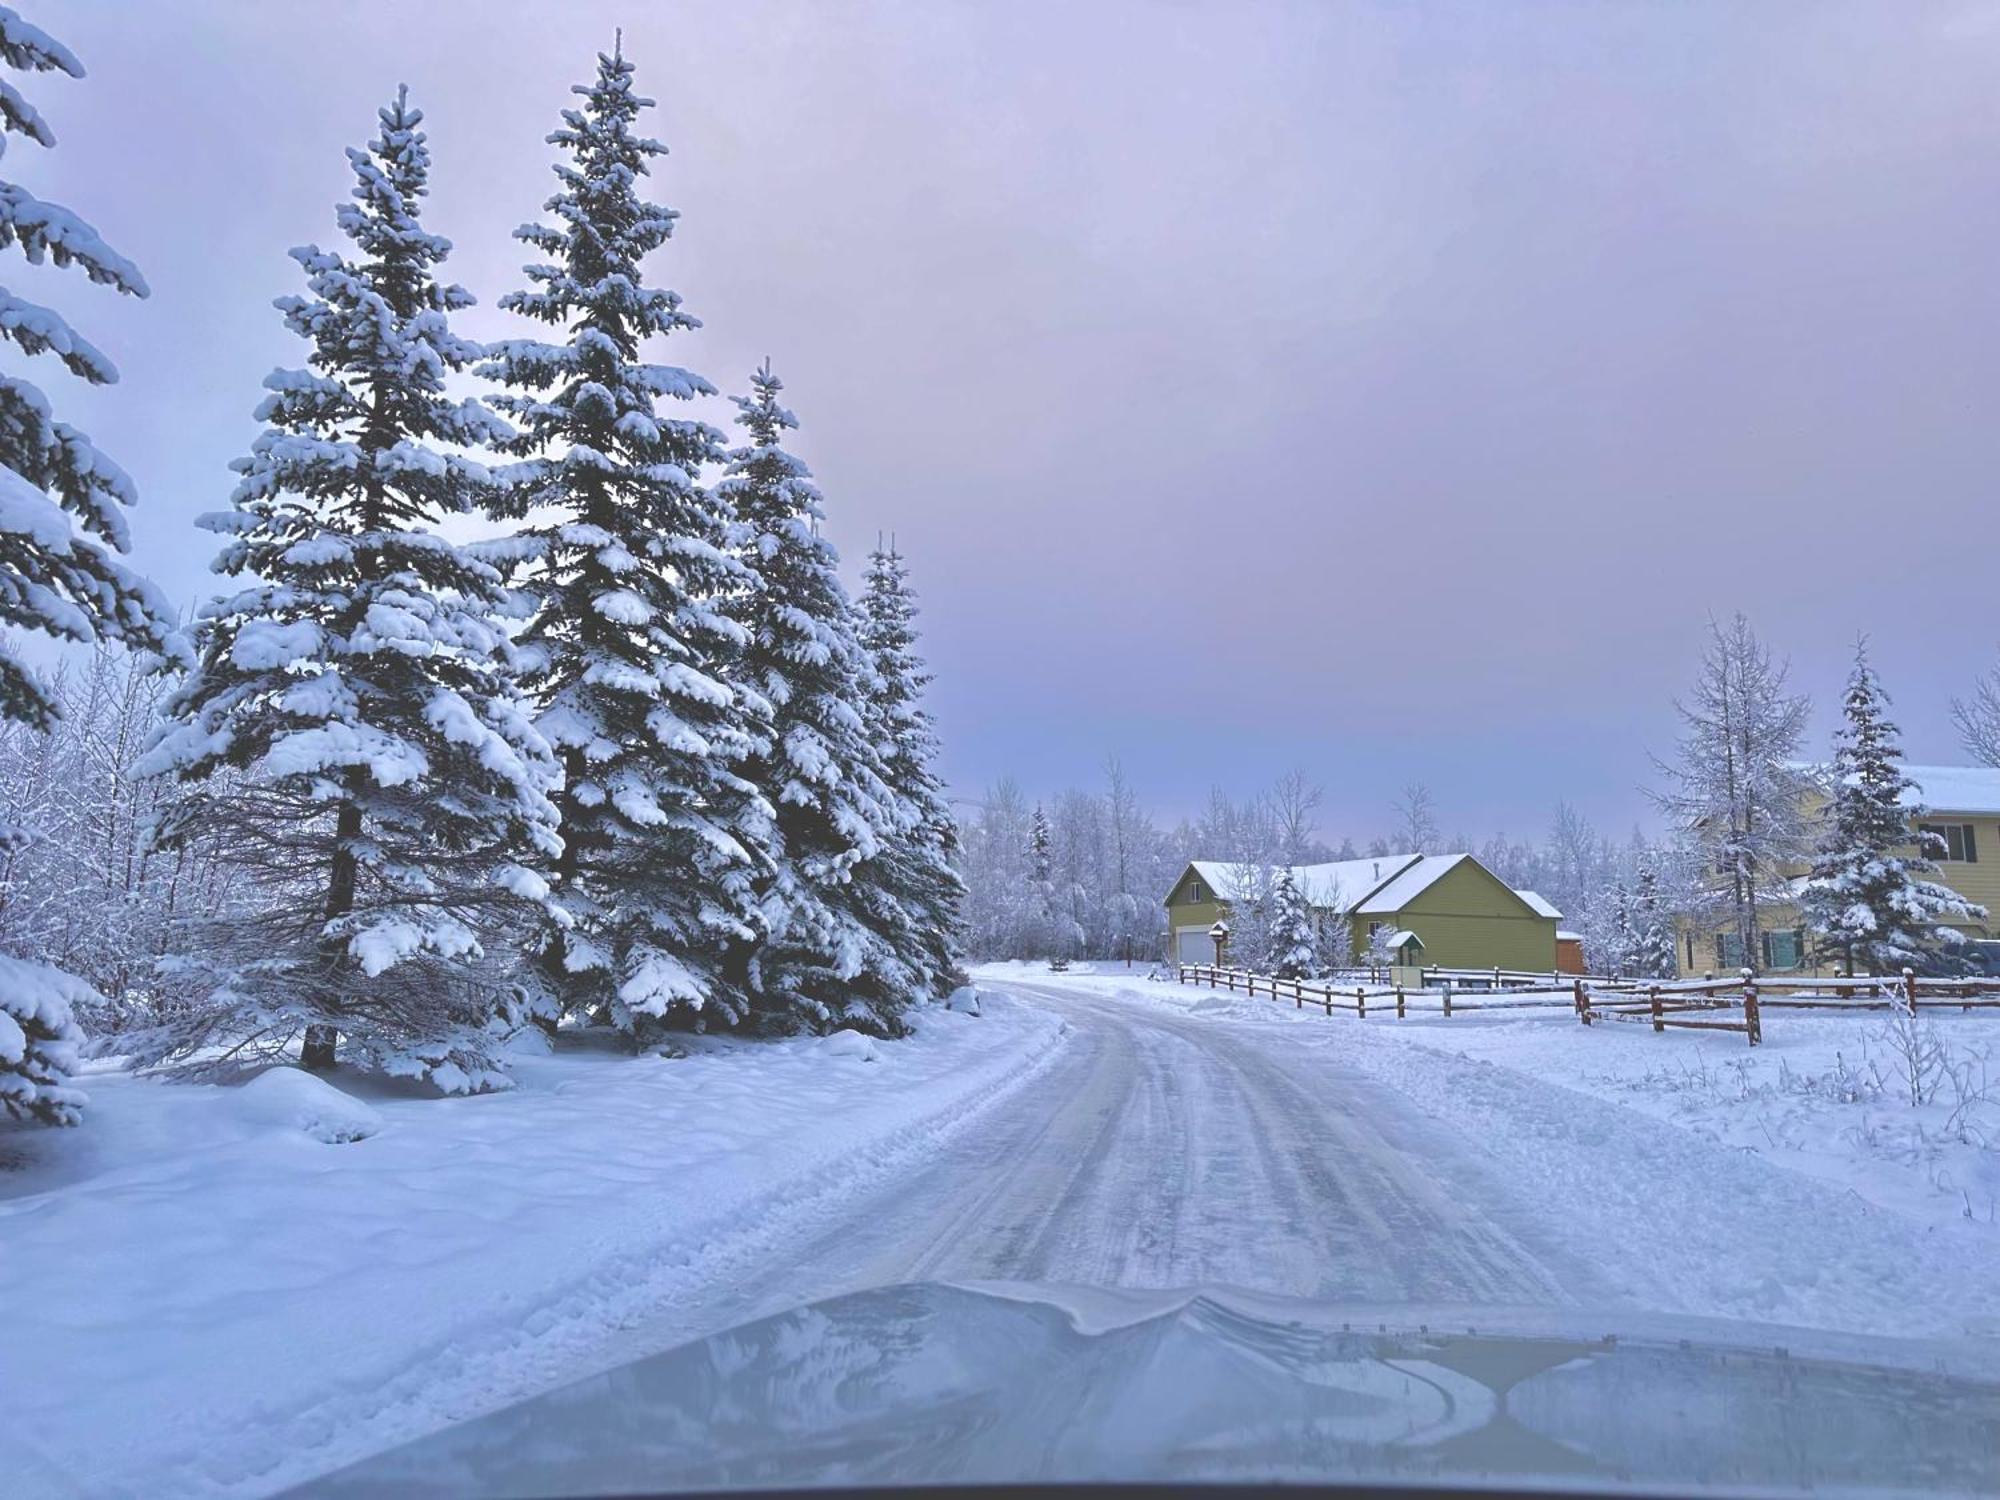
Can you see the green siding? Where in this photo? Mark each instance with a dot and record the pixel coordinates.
(1183, 912)
(1471, 920)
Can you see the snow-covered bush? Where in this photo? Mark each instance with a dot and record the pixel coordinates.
(39, 1042)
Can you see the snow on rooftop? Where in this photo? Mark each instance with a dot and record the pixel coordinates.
(1338, 883)
(1414, 879)
(1960, 789)
(1540, 903)
(1947, 789)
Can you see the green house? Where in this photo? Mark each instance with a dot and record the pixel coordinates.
(1447, 910)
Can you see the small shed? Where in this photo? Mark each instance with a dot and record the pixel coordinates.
(1569, 952)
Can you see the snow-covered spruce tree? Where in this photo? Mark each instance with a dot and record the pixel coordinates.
(62, 526)
(1040, 938)
(1294, 954)
(826, 962)
(1867, 903)
(395, 792)
(628, 650)
(916, 863)
(1653, 954)
(1736, 787)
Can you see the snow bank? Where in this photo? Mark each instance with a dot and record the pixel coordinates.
(202, 1299)
(857, 1045)
(288, 1099)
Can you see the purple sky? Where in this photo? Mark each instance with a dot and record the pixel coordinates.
(1390, 390)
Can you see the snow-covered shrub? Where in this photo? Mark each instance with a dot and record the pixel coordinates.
(288, 1099)
(39, 1042)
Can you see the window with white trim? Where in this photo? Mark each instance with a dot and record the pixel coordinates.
(1951, 842)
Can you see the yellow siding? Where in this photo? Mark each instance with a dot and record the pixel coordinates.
(1976, 880)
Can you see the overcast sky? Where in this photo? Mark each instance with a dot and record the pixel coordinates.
(1389, 390)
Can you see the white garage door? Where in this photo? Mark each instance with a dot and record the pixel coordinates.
(1193, 945)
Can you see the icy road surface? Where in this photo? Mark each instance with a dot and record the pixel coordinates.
(1168, 1149)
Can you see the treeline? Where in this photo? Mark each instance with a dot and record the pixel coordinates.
(636, 757)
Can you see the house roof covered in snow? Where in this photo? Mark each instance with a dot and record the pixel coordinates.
(1358, 887)
(1540, 903)
(1960, 789)
(1409, 883)
(1943, 789)
(1340, 883)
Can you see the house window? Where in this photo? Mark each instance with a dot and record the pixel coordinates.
(1784, 949)
(1690, 943)
(1951, 841)
(1194, 892)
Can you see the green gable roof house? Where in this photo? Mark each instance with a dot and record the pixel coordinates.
(1446, 910)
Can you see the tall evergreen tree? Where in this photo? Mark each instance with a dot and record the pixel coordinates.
(1867, 902)
(62, 526)
(1041, 933)
(826, 963)
(629, 650)
(395, 793)
(916, 866)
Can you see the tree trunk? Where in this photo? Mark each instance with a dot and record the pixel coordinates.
(318, 1053)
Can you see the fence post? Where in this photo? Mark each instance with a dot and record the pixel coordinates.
(1582, 1002)
(1910, 991)
(1753, 1025)
(1496, 979)
(1447, 999)
(1360, 1001)
(1399, 1002)
(1659, 1019)
(1326, 999)
(1298, 995)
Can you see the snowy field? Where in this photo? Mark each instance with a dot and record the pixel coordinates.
(240, 1300)
(205, 1296)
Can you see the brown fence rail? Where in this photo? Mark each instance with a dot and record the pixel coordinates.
(1735, 1004)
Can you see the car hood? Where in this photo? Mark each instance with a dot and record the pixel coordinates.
(936, 1384)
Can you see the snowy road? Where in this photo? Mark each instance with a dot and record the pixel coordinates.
(1166, 1150)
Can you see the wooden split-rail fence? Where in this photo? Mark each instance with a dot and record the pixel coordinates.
(1737, 1004)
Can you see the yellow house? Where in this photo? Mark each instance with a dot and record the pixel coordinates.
(1961, 806)
(1443, 909)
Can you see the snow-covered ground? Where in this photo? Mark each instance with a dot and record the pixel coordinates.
(222, 1291)
(208, 1290)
